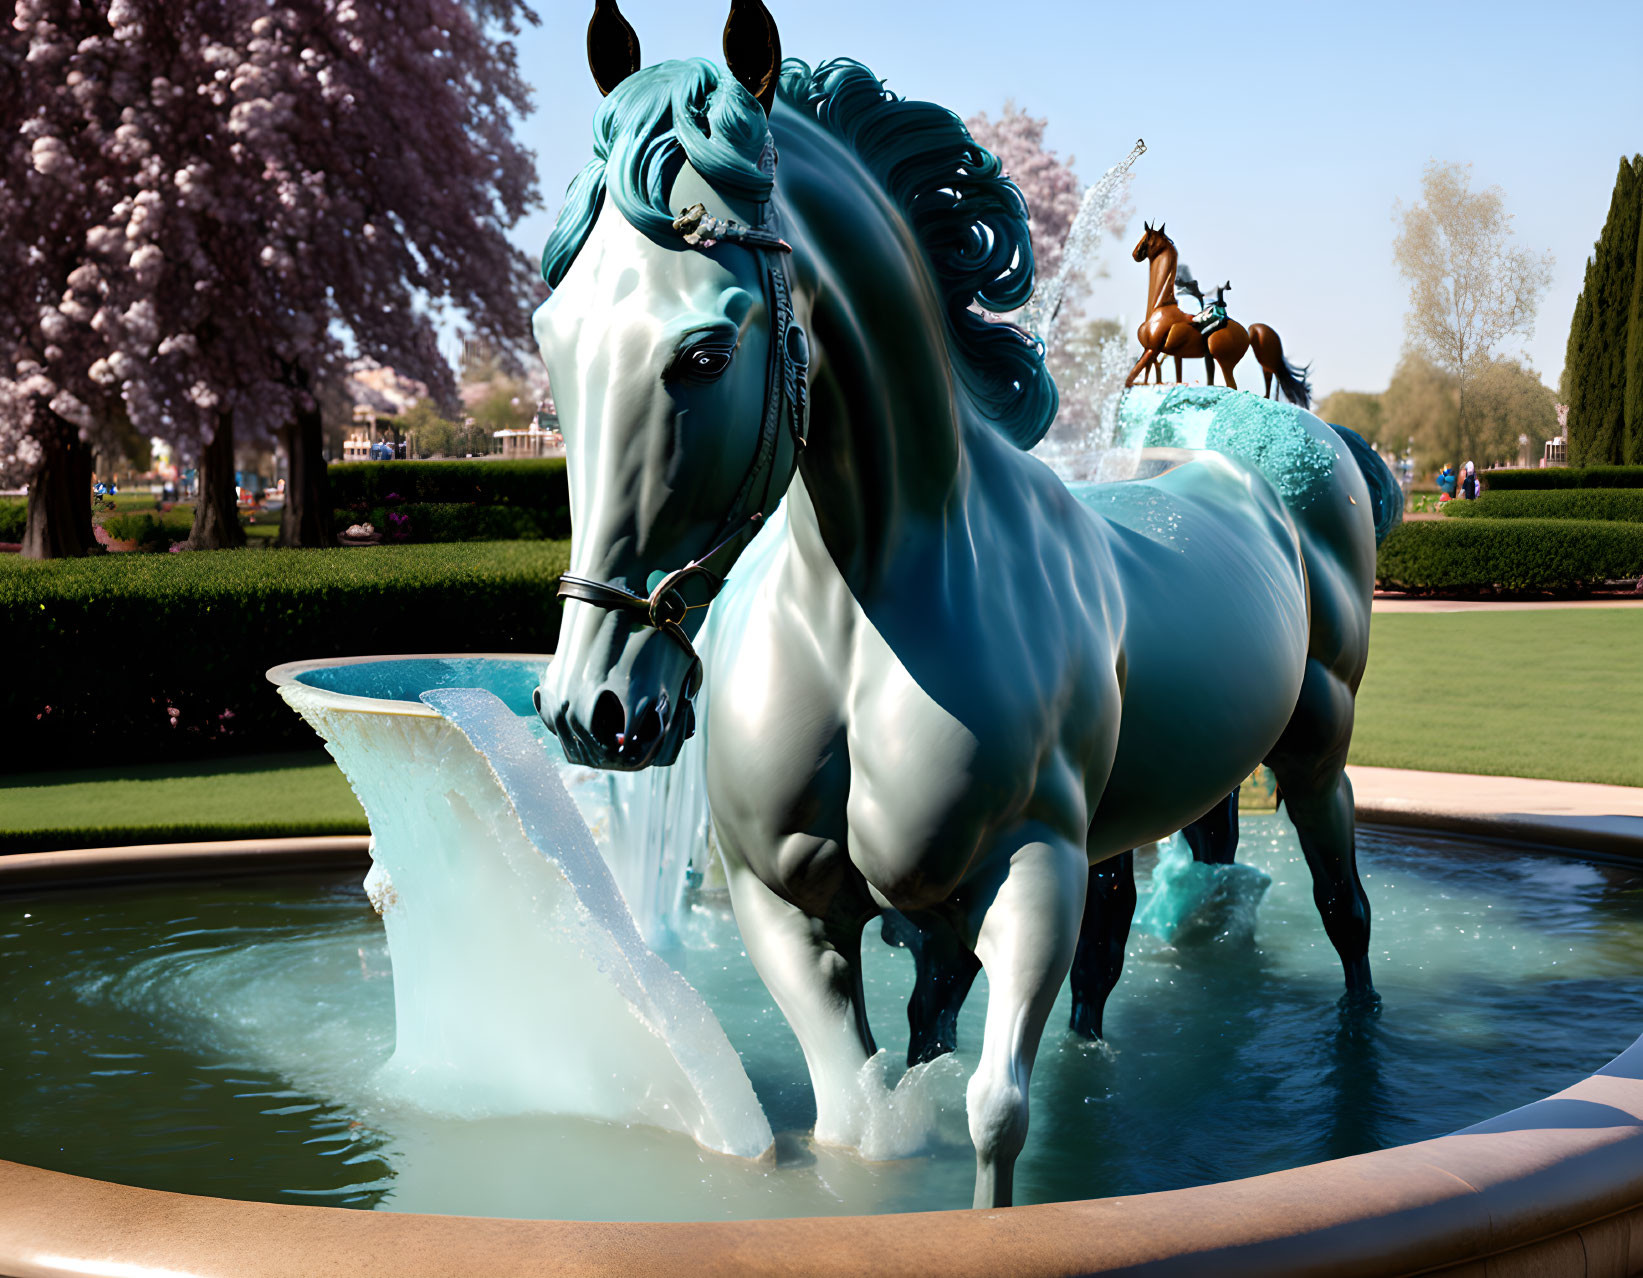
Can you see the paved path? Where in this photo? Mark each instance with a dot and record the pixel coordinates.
(1402, 603)
(1576, 815)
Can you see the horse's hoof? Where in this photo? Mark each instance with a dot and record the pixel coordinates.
(1360, 1002)
(1086, 1022)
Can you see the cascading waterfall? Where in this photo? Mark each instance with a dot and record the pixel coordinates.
(521, 982)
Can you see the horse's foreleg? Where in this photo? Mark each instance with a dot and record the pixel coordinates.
(1310, 763)
(813, 971)
(1026, 938)
(1109, 909)
(946, 970)
(1140, 367)
(1209, 371)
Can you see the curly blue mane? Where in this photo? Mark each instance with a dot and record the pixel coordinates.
(968, 217)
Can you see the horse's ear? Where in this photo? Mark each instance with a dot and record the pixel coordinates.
(1146, 226)
(613, 46)
(753, 50)
(1160, 228)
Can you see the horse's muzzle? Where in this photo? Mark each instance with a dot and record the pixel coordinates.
(618, 737)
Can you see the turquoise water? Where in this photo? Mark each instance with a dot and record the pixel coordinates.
(220, 1039)
(405, 679)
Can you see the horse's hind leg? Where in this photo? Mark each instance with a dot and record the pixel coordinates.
(1027, 933)
(1310, 763)
(1109, 909)
(813, 970)
(946, 970)
(1209, 371)
(1266, 382)
(1213, 837)
(1226, 371)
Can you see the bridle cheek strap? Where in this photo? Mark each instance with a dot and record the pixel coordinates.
(665, 608)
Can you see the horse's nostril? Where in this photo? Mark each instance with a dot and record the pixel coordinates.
(608, 720)
(647, 730)
(536, 699)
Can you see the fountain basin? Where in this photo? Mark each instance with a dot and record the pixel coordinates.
(1550, 1181)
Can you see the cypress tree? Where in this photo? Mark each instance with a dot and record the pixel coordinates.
(1597, 353)
(1632, 453)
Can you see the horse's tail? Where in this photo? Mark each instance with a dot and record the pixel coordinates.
(1385, 495)
(1294, 382)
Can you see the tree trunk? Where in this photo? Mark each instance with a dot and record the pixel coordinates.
(216, 510)
(306, 519)
(59, 514)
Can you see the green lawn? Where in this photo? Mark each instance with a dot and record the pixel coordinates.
(253, 796)
(1556, 693)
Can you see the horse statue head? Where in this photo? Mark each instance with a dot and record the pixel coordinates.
(1153, 241)
(678, 367)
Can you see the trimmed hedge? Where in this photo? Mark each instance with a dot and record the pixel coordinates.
(119, 658)
(1509, 556)
(1622, 504)
(1564, 477)
(534, 483)
(449, 521)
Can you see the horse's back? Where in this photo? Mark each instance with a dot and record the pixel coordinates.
(1263, 544)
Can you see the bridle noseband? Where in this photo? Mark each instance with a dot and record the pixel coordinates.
(665, 608)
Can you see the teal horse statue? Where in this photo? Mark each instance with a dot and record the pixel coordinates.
(955, 690)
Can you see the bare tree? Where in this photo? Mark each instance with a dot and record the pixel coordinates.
(1470, 287)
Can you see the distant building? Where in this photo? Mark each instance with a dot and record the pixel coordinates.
(540, 439)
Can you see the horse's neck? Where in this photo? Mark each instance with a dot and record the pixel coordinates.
(886, 442)
(1163, 280)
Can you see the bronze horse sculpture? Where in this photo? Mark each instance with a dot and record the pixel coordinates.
(1169, 330)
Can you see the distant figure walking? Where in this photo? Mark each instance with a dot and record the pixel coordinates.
(1468, 481)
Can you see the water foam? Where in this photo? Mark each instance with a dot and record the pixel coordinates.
(1192, 903)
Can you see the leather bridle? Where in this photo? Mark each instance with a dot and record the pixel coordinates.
(665, 608)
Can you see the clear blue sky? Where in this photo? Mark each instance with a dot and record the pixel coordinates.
(1279, 135)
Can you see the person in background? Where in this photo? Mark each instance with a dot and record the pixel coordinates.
(1469, 481)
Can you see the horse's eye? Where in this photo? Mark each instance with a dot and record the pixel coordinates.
(709, 363)
(702, 364)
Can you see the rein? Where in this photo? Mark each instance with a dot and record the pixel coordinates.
(665, 608)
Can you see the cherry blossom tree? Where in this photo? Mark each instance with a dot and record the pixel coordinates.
(221, 203)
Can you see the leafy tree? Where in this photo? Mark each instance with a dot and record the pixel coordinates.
(205, 203)
(1421, 409)
(1516, 410)
(1604, 360)
(430, 433)
(1470, 288)
(1359, 411)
